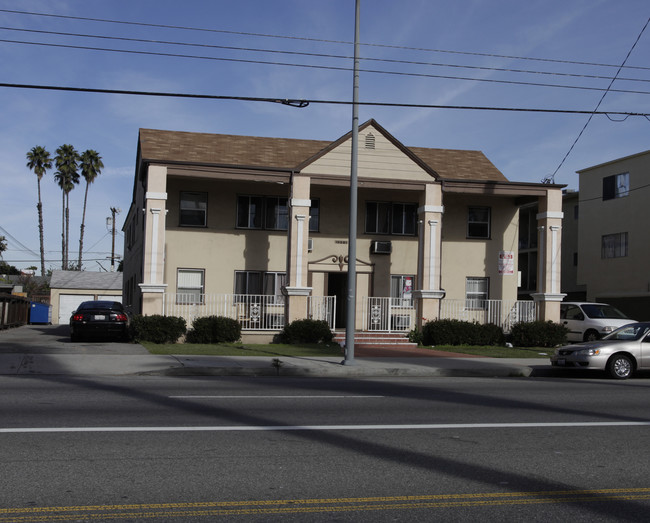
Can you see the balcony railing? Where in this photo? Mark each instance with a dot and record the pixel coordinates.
(253, 311)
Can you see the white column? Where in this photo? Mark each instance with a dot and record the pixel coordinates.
(541, 259)
(433, 227)
(155, 213)
(554, 255)
(300, 219)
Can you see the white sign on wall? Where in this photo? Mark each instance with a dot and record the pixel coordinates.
(506, 262)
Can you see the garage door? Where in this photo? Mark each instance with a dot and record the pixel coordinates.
(110, 297)
(69, 303)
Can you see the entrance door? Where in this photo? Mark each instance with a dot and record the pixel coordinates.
(337, 285)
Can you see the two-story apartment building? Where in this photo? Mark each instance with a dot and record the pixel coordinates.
(257, 228)
(614, 242)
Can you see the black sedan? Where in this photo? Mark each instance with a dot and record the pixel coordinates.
(99, 319)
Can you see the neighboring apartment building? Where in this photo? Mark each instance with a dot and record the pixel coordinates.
(614, 239)
(257, 228)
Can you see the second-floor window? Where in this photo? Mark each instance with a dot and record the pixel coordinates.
(193, 209)
(478, 222)
(391, 218)
(616, 186)
(271, 213)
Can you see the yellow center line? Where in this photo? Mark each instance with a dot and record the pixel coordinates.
(295, 506)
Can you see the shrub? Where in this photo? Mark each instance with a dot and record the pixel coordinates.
(456, 332)
(306, 331)
(214, 329)
(538, 334)
(157, 328)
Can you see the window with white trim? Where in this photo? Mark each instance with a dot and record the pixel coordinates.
(476, 292)
(190, 284)
(193, 209)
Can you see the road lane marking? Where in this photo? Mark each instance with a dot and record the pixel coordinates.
(167, 511)
(262, 428)
(276, 397)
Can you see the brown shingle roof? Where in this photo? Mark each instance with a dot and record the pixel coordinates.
(454, 164)
(288, 153)
(224, 149)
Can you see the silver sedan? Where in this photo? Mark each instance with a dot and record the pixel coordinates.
(622, 352)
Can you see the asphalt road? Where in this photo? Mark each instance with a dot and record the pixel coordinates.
(204, 449)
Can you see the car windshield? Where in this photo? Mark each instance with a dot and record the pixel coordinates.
(633, 331)
(596, 310)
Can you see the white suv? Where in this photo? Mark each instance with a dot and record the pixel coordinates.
(590, 321)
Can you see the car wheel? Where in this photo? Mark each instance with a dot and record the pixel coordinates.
(620, 367)
(591, 335)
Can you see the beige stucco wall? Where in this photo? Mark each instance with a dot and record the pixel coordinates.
(385, 161)
(221, 249)
(463, 257)
(624, 276)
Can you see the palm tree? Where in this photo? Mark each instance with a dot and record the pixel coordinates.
(39, 161)
(67, 177)
(91, 166)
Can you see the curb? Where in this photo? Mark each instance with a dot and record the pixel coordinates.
(347, 372)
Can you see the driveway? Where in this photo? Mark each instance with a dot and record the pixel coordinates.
(55, 339)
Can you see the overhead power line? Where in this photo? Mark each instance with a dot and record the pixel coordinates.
(312, 55)
(552, 178)
(318, 40)
(301, 103)
(330, 68)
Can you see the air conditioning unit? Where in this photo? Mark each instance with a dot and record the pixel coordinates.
(310, 244)
(381, 247)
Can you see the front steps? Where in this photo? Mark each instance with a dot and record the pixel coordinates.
(393, 340)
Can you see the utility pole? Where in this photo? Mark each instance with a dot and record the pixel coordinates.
(114, 211)
(352, 234)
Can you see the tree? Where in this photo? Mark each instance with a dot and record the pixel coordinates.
(3, 245)
(39, 161)
(91, 166)
(67, 177)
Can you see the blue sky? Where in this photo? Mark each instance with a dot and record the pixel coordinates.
(489, 34)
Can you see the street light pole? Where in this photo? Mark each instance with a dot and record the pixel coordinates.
(352, 234)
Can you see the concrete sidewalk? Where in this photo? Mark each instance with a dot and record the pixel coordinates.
(47, 350)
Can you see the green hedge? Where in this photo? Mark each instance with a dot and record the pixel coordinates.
(214, 329)
(457, 332)
(538, 334)
(157, 328)
(306, 331)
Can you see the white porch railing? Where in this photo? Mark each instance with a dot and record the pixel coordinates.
(397, 314)
(388, 314)
(253, 311)
(323, 308)
(499, 312)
